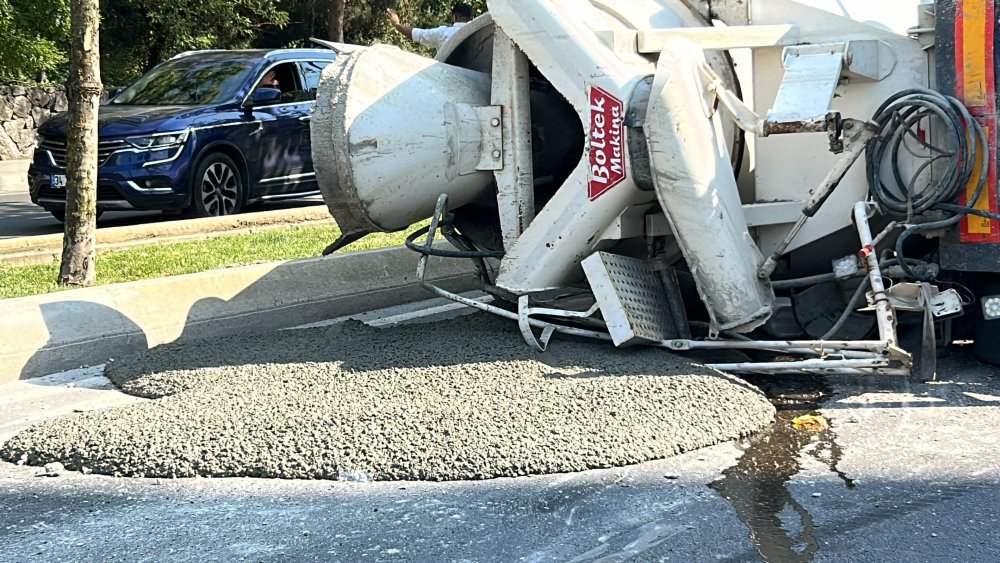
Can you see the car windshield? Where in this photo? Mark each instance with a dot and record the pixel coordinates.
(188, 81)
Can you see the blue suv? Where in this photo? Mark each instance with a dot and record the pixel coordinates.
(206, 132)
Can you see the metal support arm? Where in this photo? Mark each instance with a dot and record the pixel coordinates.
(860, 133)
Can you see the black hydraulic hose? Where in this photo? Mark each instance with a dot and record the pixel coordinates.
(855, 301)
(967, 210)
(897, 119)
(412, 245)
(804, 282)
(462, 242)
(830, 276)
(853, 304)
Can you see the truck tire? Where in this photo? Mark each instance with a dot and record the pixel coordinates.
(986, 344)
(985, 333)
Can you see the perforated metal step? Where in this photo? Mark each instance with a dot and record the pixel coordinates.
(631, 296)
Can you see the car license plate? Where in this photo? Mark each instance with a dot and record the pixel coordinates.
(59, 181)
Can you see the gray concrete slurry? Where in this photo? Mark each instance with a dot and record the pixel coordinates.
(459, 400)
(24, 403)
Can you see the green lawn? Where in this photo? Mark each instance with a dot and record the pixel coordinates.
(188, 257)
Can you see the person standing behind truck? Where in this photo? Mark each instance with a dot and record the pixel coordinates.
(435, 37)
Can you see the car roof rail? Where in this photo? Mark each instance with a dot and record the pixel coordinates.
(335, 46)
(186, 53)
(295, 51)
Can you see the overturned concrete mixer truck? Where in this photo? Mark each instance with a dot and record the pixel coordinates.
(811, 183)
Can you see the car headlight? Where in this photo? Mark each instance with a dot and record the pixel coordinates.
(159, 140)
(991, 307)
(38, 139)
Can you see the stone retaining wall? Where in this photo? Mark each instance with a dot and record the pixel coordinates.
(22, 110)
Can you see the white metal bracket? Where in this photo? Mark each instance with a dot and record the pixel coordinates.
(812, 73)
(515, 177)
(491, 133)
(524, 321)
(868, 59)
(720, 38)
(632, 299)
(910, 297)
(480, 145)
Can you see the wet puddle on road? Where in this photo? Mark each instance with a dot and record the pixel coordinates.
(781, 529)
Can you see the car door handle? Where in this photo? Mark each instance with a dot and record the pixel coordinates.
(305, 118)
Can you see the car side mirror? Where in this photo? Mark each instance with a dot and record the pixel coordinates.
(112, 94)
(265, 96)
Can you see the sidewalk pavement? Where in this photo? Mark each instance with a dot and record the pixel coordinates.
(13, 176)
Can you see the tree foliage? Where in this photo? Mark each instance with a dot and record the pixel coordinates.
(34, 37)
(365, 21)
(138, 34)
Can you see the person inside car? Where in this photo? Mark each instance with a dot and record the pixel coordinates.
(270, 80)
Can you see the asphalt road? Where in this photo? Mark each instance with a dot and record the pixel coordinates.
(908, 472)
(20, 218)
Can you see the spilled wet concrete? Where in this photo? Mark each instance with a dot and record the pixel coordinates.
(459, 400)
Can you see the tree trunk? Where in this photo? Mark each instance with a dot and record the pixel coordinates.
(78, 258)
(154, 52)
(336, 21)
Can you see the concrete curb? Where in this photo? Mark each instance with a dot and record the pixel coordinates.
(48, 333)
(48, 248)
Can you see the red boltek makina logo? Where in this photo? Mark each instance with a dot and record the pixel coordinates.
(607, 140)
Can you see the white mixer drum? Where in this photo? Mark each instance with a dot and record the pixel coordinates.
(391, 133)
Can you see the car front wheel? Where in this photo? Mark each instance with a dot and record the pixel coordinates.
(218, 187)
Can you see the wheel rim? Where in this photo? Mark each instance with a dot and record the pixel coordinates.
(219, 189)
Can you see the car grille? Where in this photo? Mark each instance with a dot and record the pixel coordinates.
(57, 148)
(105, 192)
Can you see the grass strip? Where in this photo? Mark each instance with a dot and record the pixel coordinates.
(158, 261)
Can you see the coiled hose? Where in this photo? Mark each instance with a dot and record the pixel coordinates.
(964, 155)
(411, 243)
